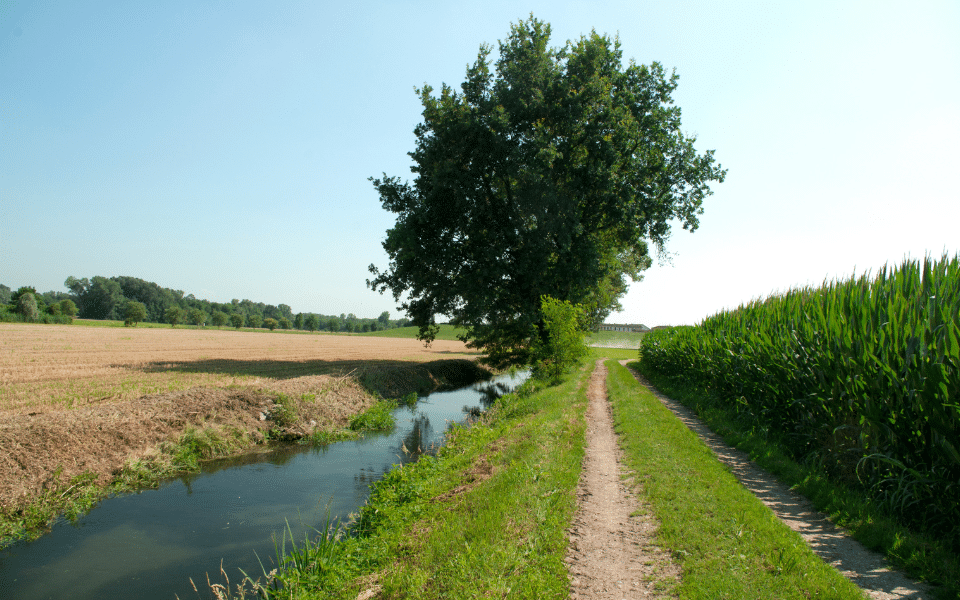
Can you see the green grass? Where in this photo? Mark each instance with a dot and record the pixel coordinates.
(447, 332)
(922, 556)
(378, 417)
(506, 536)
(108, 323)
(615, 339)
(612, 353)
(144, 325)
(727, 542)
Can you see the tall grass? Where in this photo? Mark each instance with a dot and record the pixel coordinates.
(861, 376)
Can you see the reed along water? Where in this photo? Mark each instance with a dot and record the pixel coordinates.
(151, 544)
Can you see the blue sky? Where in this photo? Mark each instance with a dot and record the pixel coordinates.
(223, 148)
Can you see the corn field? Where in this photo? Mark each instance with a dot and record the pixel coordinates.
(861, 376)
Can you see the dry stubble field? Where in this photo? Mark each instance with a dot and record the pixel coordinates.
(49, 367)
(77, 400)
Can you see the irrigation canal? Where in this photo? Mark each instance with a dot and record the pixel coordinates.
(152, 543)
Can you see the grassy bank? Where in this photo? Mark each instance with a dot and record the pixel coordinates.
(922, 556)
(71, 498)
(727, 542)
(486, 517)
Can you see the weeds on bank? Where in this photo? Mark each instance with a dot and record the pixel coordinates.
(71, 499)
(74, 498)
(378, 417)
(921, 556)
(285, 412)
(727, 542)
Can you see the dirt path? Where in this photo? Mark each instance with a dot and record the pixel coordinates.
(612, 554)
(867, 569)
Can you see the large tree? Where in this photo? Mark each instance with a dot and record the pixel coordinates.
(553, 175)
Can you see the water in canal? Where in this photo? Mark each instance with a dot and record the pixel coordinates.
(150, 544)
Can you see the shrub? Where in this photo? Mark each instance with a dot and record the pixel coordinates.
(27, 307)
(173, 315)
(134, 313)
(197, 317)
(236, 320)
(270, 323)
(68, 308)
(378, 417)
(561, 345)
(285, 412)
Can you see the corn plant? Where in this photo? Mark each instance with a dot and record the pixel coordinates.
(862, 375)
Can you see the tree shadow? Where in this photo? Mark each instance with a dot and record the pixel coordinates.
(276, 369)
(388, 377)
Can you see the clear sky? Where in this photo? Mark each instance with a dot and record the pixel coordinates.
(223, 148)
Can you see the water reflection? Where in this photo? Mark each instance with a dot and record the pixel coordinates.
(415, 442)
(491, 391)
(150, 544)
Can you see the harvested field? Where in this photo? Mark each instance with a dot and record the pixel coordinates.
(79, 400)
(44, 367)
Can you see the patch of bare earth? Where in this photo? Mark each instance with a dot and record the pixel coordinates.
(866, 568)
(613, 551)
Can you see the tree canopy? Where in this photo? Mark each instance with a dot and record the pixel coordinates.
(551, 175)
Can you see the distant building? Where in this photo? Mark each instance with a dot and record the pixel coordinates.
(630, 328)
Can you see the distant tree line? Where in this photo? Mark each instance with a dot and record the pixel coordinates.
(135, 300)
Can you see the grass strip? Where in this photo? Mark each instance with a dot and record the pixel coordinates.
(920, 556)
(727, 542)
(615, 339)
(446, 332)
(486, 517)
(612, 353)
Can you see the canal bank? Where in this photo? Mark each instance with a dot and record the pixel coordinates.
(62, 462)
(151, 544)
